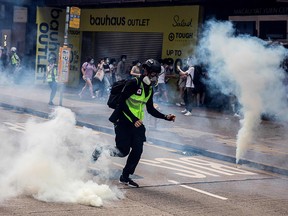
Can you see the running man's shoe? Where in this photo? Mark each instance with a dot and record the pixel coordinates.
(128, 181)
(96, 154)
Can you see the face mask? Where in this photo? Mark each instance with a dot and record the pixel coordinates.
(138, 64)
(146, 80)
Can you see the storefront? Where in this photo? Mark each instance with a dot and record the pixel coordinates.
(149, 32)
(267, 20)
(139, 33)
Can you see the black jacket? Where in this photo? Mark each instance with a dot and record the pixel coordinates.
(131, 88)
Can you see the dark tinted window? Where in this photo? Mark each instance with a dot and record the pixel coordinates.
(273, 30)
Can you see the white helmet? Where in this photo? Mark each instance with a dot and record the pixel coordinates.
(13, 49)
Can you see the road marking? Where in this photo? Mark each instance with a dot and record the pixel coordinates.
(190, 173)
(194, 167)
(159, 147)
(19, 127)
(198, 190)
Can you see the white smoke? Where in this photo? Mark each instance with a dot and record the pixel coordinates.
(246, 67)
(50, 163)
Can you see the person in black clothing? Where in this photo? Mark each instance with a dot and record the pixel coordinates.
(105, 83)
(128, 120)
(200, 86)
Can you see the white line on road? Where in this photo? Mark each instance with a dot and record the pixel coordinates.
(15, 126)
(159, 147)
(198, 190)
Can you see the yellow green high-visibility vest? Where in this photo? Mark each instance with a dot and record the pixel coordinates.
(137, 101)
(15, 59)
(49, 77)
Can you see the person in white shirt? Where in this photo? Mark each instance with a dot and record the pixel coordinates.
(189, 87)
(162, 91)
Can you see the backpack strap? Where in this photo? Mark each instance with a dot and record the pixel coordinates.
(138, 84)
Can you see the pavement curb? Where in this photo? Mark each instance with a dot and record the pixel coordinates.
(163, 143)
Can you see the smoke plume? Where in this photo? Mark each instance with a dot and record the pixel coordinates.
(50, 163)
(248, 68)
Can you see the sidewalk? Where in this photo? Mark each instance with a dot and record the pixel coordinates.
(206, 132)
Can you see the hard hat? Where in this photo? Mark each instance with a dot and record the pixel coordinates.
(13, 49)
(152, 65)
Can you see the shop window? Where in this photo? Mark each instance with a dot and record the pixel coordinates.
(273, 30)
(245, 27)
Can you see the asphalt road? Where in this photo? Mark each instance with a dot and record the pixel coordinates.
(172, 182)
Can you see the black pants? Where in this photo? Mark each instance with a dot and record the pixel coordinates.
(53, 87)
(129, 137)
(188, 98)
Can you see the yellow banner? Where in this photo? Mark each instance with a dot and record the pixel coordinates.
(74, 17)
(50, 33)
(178, 24)
(50, 36)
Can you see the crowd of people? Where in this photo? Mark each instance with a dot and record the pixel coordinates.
(190, 90)
(98, 77)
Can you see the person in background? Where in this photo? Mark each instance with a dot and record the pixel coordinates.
(52, 78)
(189, 91)
(113, 68)
(15, 64)
(99, 84)
(200, 86)
(4, 58)
(87, 69)
(121, 69)
(128, 120)
(136, 70)
(161, 90)
(181, 85)
(169, 72)
(15, 60)
(105, 83)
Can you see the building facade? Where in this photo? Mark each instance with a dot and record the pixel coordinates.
(138, 28)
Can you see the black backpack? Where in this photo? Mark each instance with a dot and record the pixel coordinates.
(115, 93)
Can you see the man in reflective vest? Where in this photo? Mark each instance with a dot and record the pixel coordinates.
(128, 120)
(15, 60)
(51, 78)
(15, 64)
